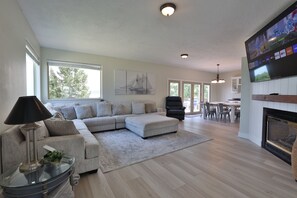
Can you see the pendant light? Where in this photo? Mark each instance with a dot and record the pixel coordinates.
(218, 80)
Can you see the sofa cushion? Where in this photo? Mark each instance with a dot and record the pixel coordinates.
(121, 118)
(60, 127)
(84, 111)
(41, 132)
(68, 113)
(103, 109)
(99, 121)
(138, 108)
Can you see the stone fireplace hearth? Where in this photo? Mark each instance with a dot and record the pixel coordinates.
(279, 132)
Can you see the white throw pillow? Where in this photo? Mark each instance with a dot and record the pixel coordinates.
(103, 109)
(83, 112)
(138, 108)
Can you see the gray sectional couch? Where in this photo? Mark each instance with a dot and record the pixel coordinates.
(87, 118)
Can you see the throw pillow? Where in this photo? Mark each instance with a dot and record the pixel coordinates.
(60, 127)
(68, 113)
(150, 107)
(58, 115)
(118, 109)
(83, 112)
(41, 132)
(103, 109)
(138, 108)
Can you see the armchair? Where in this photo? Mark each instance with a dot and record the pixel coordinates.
(174, 107)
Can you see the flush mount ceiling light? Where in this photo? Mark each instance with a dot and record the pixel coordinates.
(168, 9)
(218, 80)
(184, 56)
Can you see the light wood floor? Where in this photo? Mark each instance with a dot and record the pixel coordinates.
(227, 166)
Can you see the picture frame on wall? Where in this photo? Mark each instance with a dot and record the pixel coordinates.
(134, 83)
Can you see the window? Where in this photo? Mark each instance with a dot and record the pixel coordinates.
(174, 88)
(206, 92)
(73, 80)
(32, 72)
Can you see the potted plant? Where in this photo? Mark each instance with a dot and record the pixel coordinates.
(53, 157)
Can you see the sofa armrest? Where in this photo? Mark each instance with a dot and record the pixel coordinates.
(73, 145)
(13, 148)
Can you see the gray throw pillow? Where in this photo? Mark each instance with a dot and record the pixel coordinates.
(118, 109)
(138, 108)
(83, 112)
(150, 107)
(103, 109)
(68, 113)
(60, 127)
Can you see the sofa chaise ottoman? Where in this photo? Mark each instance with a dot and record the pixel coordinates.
(151, 125)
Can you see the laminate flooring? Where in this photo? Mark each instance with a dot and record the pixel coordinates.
(227, 166)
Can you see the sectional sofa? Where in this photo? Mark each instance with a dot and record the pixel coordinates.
(71, 131)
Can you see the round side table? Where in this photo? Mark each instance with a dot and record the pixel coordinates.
(39, 183)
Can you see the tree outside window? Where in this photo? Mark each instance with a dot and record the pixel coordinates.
(72, 80)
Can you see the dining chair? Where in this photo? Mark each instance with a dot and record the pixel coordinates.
(210, 111)
(223, 112)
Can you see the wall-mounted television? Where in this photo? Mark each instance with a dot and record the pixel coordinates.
(272, 51)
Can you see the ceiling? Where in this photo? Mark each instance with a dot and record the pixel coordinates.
(210, 31)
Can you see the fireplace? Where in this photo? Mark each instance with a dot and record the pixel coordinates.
(279, 132)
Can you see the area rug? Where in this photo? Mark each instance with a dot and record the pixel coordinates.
(121, 148)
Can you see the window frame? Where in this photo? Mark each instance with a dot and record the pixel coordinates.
(74, 65)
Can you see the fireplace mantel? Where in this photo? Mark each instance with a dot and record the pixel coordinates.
(276, 98)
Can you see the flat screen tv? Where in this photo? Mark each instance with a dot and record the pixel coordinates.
(272, 52)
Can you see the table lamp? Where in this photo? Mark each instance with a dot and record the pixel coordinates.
(28, 110)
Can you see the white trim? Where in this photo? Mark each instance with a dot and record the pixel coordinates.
(32, 53)
(72, 64)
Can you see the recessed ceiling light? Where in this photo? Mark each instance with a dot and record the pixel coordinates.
(168, 9)
(184, 56)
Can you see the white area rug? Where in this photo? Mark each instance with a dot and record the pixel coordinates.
(121, 148)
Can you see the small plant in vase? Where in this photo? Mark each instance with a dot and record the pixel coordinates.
(53, 157)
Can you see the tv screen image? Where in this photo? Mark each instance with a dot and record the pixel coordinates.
(261, 74)
(272, 52)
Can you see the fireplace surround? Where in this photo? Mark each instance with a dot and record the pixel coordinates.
(279, 132)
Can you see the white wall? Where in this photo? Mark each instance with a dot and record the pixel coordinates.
(14, 31)
(245, 100)
(224, 90)
(162, 73)
(284, 86)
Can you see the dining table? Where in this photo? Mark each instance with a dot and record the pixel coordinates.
(231, 104)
